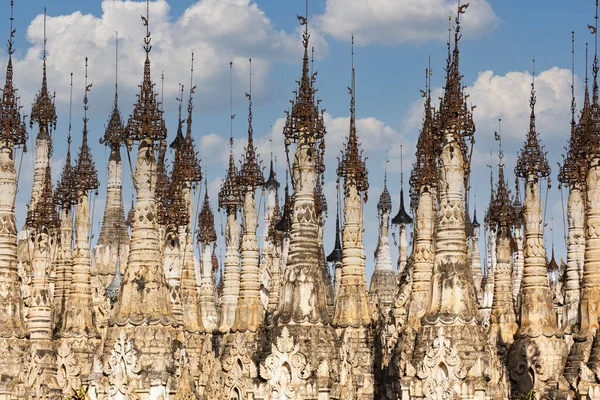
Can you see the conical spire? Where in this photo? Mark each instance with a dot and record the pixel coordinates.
(112, 290)
(43, 111)
(44, 215)
(402, 218)
(178, 141)
(86, 175)
(532, 157)
(285, 223)
(163, 183)
(424, 172)
(66, 188)
(13, 132)
(250, 174)
(146, 121)
(114, 134)
(501, 212)
(130, 215)
(206, 221)
(230, 194)
(352, 166)
(336, 254)
(272, 180)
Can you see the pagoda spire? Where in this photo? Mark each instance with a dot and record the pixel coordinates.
(112, 247)
(402, 219)
(13, 134)
(146, 127)
(230, 199)
(43, 112)
(207, 237)
(249, 313)
(537, 324)
(351, 307)
(79, 319)
(65, 196)
(383, 281)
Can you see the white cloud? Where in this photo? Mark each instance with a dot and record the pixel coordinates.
(401, 21)
(217, 31)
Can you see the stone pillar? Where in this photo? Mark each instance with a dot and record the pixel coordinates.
(192, 315)
(518, 262)
(207, 290)
(538, 341)
(250, 312)
(503, 320)
(383, 281)
(172, 264)
(575, 257)
(231, 280)
(476, 261)
(64, 267)
(352, 307)
(422, 259)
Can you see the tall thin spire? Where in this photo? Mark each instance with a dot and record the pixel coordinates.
(250, 174)
(66, 189)
(402, 218)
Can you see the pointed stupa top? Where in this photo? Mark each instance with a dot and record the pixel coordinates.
(43, 111)
(250, 175)
(130, 215)
(424, 172)
(552, 265)
(274, 235)
(352, 167)
(455, 116)
(186, 167)
(402, 218)
(336, 254)
(112, 290)
(146, 121)
(85, 172)
(44, 215)
(66, 189)
(175, 206)
(230, 195)
(284, 225)
(502, 212)
(532, 157)
(475, 223)
(178, 141)
(114, 134)
(13, 132)
(206, 221)
(573, 169)
(271, 182)
(384, 205)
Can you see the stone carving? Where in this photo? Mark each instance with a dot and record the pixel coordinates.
(123, 368)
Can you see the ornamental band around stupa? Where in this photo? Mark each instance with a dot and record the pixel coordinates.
(142, 318)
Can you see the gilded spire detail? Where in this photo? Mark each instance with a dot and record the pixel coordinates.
(44, 215)
(114, 134)
(66, 188)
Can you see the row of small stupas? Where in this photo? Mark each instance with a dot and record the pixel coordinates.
(141, 318)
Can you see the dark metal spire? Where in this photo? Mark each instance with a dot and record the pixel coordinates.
(86, 175)
(250, 175)
(352, 166)
(336, 254)
(532, 157)
(146, 121)
(206, 221)
(13, 132)
(114, 134)
(66, 188)
(285, 223)
(402, 218)
(44, 214)
(43, 111)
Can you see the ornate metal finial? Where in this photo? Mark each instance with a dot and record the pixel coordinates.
(114, 134)
(574, 168)
(502, 212)
(146, 122)
(66, 188)
(86, 175)
(13, 132)
(455, 119)
(206, 221)
(304, 122)
(163, 187)
(186, 166)
(384, 205)
(532, 157)
(402, 218)
(130, 215)
(424, 172)
(250, 174)
(43, 111)
(43, 215)
(274, 235)
(178, 141)
(352, 166)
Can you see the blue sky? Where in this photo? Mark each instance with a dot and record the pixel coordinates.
(394, 39)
